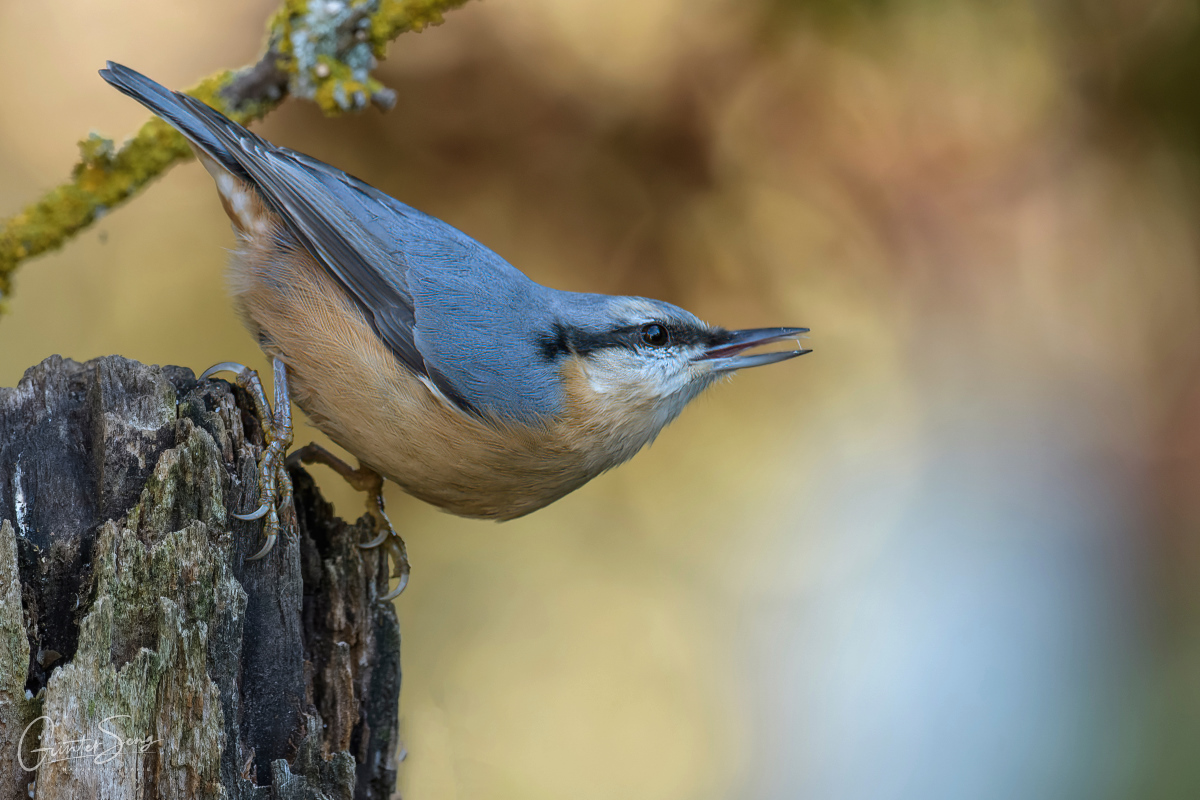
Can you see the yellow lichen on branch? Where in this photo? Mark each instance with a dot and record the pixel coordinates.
(400, 16)
(326, 49)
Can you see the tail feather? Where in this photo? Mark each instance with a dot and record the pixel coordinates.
(170, 106)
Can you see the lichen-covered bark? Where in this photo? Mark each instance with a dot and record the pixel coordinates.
(17, 709)
(160, 662)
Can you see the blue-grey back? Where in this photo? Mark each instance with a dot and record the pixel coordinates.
(477, 319)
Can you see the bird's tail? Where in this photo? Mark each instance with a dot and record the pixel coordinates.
(173, 108)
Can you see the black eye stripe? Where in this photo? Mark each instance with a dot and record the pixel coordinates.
(680, 335)
(564, 340)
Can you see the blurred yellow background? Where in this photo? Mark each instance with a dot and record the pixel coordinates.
(951, 554)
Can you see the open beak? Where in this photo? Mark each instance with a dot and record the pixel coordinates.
(726, 355)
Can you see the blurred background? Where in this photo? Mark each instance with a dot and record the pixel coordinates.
(951, 554)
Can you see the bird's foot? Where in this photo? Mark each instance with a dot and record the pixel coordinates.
(365, 479)
(274, 484)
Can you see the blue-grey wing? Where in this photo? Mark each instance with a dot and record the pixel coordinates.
(463, 299)
(325, 228)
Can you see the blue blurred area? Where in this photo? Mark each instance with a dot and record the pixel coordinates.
(985, 638)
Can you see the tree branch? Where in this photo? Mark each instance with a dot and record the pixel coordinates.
(323, 50)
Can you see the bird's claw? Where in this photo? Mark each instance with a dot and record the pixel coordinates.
(365, 479)
(398, 555)
(378, 540)
(241, 370)
(393, 545)
(257, 513)
(274, 483)
(266, 548)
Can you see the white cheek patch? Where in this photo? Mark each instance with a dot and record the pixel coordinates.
(607, 375)
(601, 381)
(622, 375)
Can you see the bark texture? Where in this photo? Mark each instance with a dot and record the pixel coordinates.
(141, 655)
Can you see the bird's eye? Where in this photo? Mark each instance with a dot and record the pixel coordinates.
(655, 335)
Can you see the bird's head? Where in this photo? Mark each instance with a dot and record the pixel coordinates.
(630, 365)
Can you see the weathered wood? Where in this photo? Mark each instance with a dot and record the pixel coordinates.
(128, 610)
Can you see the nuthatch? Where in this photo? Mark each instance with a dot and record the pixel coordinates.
(423, 353)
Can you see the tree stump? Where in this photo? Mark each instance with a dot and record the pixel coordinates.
(141, 655)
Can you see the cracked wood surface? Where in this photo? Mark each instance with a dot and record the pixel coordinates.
(128, 612)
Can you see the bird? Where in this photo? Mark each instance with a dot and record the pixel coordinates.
(424, 354)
